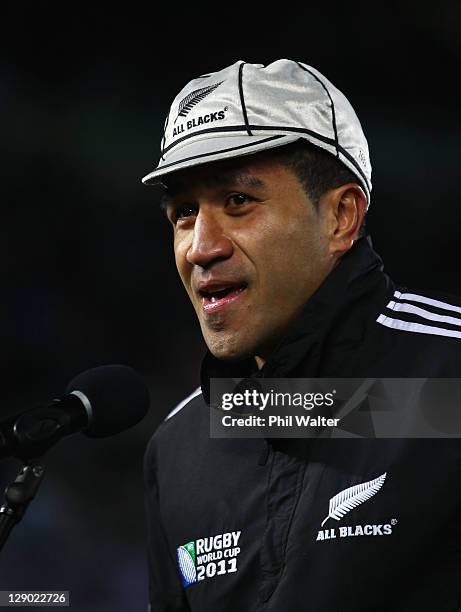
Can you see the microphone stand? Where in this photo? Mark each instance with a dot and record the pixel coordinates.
(34, 432)
(18, 496)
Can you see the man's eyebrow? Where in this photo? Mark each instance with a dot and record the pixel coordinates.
(222, 179)
(235, 177)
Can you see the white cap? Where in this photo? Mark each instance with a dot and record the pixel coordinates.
(247, 108)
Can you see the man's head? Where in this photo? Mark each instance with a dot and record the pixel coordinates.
(253, 241)
(268, 178)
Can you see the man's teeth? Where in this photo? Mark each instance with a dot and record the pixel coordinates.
(218, 295)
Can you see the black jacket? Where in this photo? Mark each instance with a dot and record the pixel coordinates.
(239, 524)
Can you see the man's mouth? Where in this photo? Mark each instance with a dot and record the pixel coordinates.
(217, 298)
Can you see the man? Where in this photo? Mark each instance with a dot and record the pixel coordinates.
(267, 180)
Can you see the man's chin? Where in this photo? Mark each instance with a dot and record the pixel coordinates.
(228, 347)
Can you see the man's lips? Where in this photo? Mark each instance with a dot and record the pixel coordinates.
(217, 295)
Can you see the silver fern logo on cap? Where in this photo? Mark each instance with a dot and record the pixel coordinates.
(196, 96)
(350, 498)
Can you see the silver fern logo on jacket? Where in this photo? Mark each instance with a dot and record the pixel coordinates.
(348, 499)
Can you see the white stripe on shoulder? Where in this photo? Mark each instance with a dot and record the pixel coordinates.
(417, 327)
(184, 402)
(412, 297)
(426, 314)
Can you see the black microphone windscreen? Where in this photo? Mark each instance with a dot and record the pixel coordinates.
(118, 395)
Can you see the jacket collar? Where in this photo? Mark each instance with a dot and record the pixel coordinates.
(360, 271)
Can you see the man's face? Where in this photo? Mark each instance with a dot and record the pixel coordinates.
(250, 249)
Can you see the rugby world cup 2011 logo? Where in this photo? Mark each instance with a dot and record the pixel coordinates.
(209, 557)
(186, 563)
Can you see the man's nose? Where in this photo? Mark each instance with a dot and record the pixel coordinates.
(209, 243)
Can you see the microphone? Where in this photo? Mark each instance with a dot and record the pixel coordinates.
(99, 402)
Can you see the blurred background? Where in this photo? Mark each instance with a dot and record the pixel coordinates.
(88, 271)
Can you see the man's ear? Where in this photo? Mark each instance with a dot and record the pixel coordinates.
(344, 208)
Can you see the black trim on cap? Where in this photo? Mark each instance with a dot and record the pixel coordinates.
(275, 128)
(333, 113)
(229, 128)
(242, 100)
(325, 139)
(242, 128)
(348, 156)
(250, 144)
